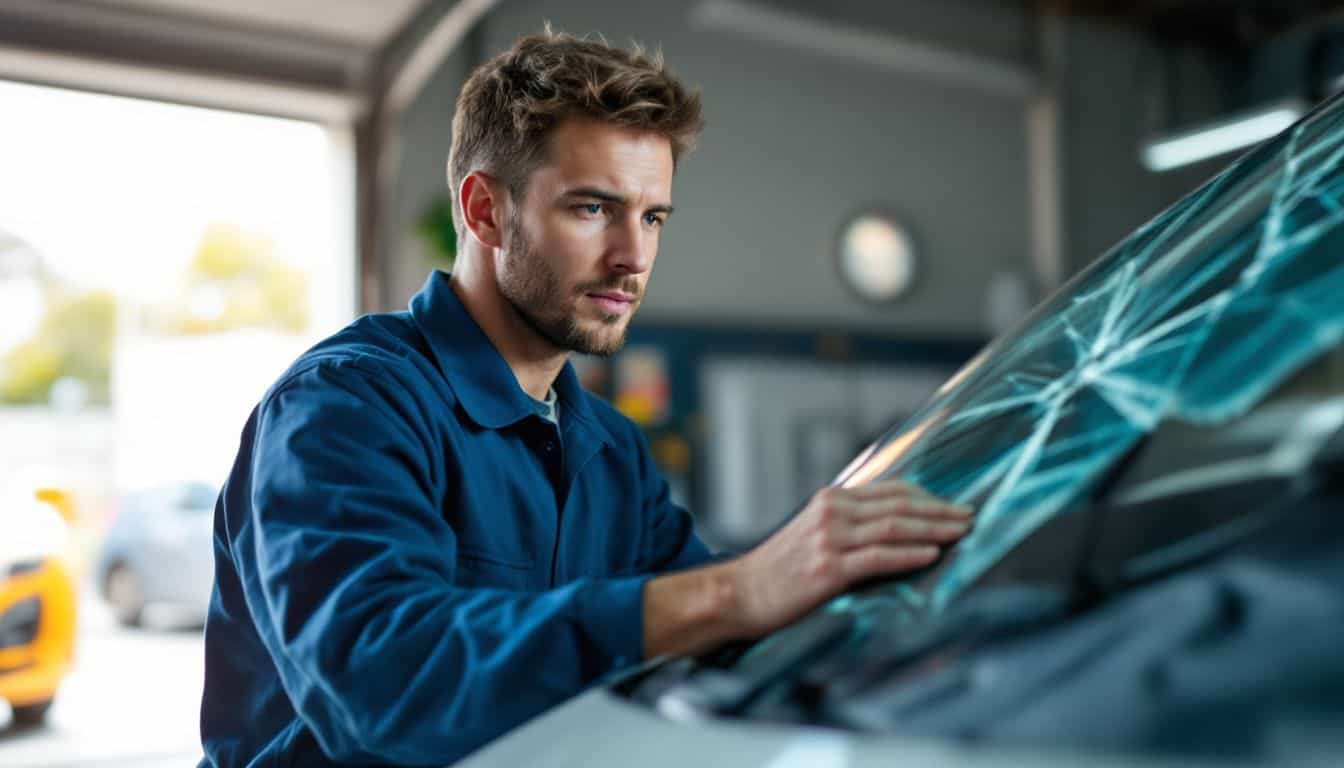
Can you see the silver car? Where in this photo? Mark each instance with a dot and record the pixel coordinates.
(156, 563)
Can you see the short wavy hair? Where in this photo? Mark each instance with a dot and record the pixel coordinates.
(510, 105)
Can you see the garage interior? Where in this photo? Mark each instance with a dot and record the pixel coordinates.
(1009, 143)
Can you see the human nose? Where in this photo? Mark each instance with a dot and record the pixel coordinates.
(632, 247)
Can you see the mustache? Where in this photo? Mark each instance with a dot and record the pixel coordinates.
(628, 285)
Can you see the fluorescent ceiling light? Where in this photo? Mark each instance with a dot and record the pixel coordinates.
(1218, 138)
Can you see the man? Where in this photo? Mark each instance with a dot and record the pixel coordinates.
(431, 533)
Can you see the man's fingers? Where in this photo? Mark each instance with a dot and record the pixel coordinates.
(885, 488)
(909, 506)
(897, 529)
(877, 561)
(905, 497)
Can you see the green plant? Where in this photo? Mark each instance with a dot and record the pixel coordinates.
(435, 229)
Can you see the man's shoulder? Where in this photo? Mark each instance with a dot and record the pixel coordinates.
(385, 347)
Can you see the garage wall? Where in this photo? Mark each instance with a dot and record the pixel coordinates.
(797, 141)
(1107, 110)
(795, 144)
(422, 174)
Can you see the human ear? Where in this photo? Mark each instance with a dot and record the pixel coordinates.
(482, 208)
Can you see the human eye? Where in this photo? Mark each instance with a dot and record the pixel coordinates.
(589, 210)
(654, 219)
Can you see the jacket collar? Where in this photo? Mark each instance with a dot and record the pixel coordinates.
(480, 378)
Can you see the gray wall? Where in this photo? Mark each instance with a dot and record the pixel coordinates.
(1106, 111)
(422, 174)
(797, 141)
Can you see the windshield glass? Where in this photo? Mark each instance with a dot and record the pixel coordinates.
(1197, 316)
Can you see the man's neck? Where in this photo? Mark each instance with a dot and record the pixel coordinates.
(534, 361)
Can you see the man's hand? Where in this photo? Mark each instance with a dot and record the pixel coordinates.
(843, 536)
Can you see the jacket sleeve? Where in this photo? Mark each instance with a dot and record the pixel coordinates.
(348, 570)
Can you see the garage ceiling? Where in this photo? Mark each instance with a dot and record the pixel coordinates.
(318, 59)
(360, 22)
(1218, 23)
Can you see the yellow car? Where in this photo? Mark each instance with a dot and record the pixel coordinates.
(37, 606)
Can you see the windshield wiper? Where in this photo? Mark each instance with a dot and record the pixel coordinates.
(711, 692)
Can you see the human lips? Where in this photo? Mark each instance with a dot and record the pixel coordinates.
(612, 302)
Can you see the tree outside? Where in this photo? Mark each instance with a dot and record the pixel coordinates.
(233, 282)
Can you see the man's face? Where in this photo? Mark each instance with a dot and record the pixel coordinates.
(581, 241)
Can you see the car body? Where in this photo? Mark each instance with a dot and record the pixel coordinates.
(157, 557)
(37, 606)
(1156, 569)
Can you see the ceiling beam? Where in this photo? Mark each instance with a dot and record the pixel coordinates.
(134, 37)
(881, 50)
(41, 67)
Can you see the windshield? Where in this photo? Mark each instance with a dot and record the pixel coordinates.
(1197, 316)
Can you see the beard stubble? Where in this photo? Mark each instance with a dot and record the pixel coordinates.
(530, 286)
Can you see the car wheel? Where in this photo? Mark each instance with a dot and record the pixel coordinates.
(31, 714)
(125, 595)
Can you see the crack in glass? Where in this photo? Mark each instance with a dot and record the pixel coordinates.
(1197, 316)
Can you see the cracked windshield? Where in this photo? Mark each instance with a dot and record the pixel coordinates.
(159, 266)
(1196, 317)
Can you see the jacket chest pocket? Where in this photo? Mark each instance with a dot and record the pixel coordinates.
(479, 568)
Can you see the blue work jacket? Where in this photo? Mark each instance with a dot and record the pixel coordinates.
(409, 560)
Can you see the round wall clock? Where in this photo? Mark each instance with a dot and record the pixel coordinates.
(876, 257)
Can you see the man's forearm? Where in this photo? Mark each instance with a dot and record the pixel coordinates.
(694, 611)
(840, 538)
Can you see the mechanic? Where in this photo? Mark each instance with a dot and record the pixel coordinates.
(431, 533)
